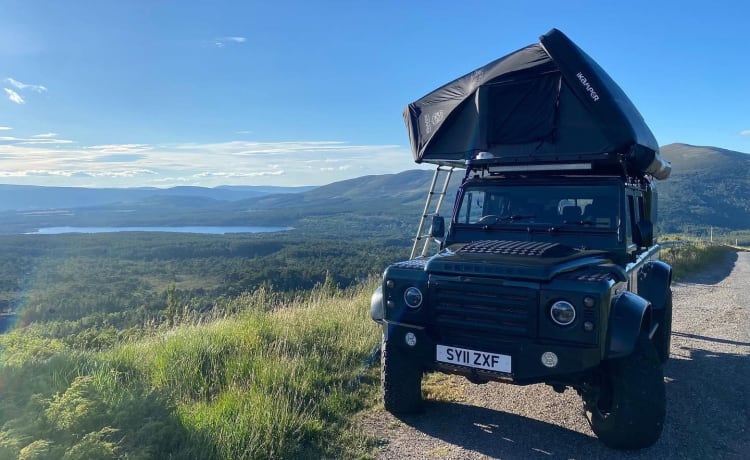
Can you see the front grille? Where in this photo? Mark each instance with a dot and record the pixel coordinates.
(475, 312)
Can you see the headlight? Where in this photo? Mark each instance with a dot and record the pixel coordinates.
(562, 312)
(413, 297)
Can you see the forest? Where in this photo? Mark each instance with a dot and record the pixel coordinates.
(67, 284)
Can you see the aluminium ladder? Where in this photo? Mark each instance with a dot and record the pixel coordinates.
(427, 237)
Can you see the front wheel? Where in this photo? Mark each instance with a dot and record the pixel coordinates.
(663, 336)
(401, 381)
(628, 410)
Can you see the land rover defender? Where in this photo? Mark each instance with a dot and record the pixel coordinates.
(548, 269)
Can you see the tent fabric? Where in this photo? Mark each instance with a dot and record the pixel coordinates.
(548, 102)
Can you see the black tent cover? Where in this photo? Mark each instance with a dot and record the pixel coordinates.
(545, 103)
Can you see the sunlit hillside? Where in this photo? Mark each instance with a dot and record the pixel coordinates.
(264, 377)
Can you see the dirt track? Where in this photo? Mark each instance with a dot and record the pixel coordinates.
(708, 395)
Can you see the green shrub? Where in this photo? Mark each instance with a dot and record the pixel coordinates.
(270, 376)
(692, 257)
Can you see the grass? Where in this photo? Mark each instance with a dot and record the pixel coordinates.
(276, 379)
(692, 258)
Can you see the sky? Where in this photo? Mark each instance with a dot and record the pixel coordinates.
(167, 93)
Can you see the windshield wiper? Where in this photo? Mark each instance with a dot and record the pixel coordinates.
(579, 222)
(492, 219)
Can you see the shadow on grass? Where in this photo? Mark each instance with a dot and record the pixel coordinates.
(708, 402)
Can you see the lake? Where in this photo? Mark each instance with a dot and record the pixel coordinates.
(196, 229)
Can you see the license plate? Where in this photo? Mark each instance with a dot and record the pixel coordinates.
(472, 358)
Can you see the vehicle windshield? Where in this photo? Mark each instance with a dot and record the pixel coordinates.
(556, 206)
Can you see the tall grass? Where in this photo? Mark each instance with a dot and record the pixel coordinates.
(692, 257)
(266, 377)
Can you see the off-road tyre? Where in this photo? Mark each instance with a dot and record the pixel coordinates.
(629, 411)
(401, 381)
(663, 337)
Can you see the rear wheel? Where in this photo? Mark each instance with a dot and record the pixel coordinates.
(401, 381)
(628, 410)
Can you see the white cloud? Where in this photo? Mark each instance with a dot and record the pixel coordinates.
(221, 41)
(23, 86)
(5, 128)
(125, 173)
(120, 148)
(33, 140)
(49, 161)
(76, 173)
(14, 96)
(45, 135)
(745, 132)
(248, 174)
(45, 141)
(244, 132)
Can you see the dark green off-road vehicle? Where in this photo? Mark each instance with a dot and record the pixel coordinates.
(548, 270)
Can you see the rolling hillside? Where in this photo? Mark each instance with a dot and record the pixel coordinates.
(31, 197)
(709, 186)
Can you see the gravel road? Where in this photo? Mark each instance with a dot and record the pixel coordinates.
(708, 395)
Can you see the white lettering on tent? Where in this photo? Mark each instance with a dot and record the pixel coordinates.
(433, 120)
(476, 77)
(589, 89)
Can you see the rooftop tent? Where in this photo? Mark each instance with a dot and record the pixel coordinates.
(545, 103)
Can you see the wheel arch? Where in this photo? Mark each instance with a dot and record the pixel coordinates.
(377, 312)
(630, 315)
(653, 285)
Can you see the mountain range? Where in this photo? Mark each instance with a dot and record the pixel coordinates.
(32, 197)
(709, 186)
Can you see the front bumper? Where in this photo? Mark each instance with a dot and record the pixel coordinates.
(526, 356)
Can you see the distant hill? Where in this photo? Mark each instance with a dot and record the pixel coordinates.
(709, 186)
(31, 197)
(402, 188)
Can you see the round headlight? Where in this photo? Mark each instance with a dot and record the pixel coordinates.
(413, 297)
(562, 312)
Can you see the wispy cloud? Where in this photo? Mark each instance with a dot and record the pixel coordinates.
(278, 172)
(340, 168)
(130, 173)
(120, 148)
(119, 158)
(14, 96)
(745, 132)
(222, 41)
(45, 141)
(5, 128)
(204, 164)
(246, 131)
(45, 135)
(24, 86)
(32, 140)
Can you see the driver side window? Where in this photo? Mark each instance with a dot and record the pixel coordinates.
(473, 207)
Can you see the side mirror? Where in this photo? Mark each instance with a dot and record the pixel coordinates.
(644, 234)
(438, 227)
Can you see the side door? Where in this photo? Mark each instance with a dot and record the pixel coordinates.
(634, 213)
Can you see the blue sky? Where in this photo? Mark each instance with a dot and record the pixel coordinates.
(147, 93)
